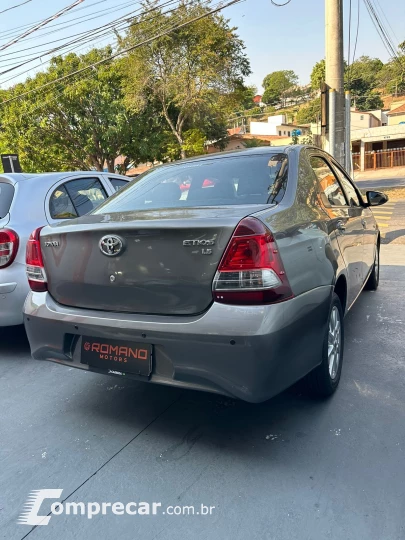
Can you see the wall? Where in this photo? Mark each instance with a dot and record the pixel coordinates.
(382, 133)
(263, 128)
(361, 120)
(396, 119)
(269, 127)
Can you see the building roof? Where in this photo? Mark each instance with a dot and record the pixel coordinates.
(398, 110)
(236, 130)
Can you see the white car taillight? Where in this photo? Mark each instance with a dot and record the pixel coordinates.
(9, 243)
(251, 270)
(35, 265)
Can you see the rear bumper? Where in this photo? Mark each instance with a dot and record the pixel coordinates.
(13, 291)
(251, 353)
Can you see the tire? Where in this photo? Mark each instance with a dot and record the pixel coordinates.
(374, 277)
(324, 380)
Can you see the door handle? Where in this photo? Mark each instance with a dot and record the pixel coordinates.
(340, 226)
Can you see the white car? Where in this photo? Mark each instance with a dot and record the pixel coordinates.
(28, 201)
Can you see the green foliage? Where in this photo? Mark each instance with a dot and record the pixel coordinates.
(255, 143)
(295, 138)
(194, 140)
(392, 75)
(199, 66)
(309, 113)
(255, 110)
(271, 97)
(245, 95)
(78, 124)
(276, 85)
(318, 75)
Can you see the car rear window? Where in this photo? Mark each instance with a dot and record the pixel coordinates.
(255, 179)
(6, 198)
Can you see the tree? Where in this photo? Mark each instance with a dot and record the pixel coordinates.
(78, 123)
(310, 112)
(276, 84)
(392, 75)
(199, 66)
(361, 79)
(318, 75)
(245, 95)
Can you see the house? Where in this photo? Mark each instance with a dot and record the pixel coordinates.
(369, 119)
(257, 100)
(396, 115)
(276, 125)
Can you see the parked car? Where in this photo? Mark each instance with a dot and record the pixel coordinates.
(28, 201)
(239, 287)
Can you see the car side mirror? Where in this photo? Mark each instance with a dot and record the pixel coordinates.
(376, 198)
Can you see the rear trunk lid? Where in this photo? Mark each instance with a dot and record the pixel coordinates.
(166, 265)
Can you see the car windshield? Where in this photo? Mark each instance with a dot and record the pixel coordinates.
(6, 198)
(255, 179)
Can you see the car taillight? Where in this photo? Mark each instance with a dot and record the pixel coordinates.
(251, 270)
(35, 265)
(9, 243)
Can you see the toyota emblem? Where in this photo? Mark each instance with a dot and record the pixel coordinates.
(111, 245)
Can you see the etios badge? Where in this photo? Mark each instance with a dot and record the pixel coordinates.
(111, 245)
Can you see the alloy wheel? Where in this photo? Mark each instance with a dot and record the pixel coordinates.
(334, 342)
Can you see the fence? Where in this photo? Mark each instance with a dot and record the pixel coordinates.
(380, 159)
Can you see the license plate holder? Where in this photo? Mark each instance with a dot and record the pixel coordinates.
(122, 356)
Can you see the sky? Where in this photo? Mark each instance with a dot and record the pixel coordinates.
(289, 37)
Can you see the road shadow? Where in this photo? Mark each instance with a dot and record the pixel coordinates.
(13, 341)
(392, 235)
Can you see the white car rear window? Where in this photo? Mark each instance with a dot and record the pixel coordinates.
(6, 198)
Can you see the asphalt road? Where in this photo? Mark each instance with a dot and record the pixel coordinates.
(288, 469)
(380, 183)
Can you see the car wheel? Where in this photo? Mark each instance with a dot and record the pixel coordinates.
(374, 278)
(324, 379)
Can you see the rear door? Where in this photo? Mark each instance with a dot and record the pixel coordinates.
(367, 219)
(75, 197)
(118, 182)
(346, 221)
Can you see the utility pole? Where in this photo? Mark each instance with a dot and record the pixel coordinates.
(335, 135)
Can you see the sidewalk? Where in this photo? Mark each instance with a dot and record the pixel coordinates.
(380, 174)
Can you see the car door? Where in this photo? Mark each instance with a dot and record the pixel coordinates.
(346, 222)
(75, 197)
(118, 182)
(368, 222)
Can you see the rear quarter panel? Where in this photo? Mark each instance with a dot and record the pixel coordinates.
(303, 231)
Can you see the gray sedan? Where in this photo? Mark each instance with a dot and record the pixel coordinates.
(230, 273)
(28, 201)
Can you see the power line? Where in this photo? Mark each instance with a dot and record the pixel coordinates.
(124, 51)
(74, 22)
(387, 21)
(387, 42)
(16, 6)
(280, 5)
(85, 32)
(357, 30)
(13, 31)
(89, 36)
(40, 25)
